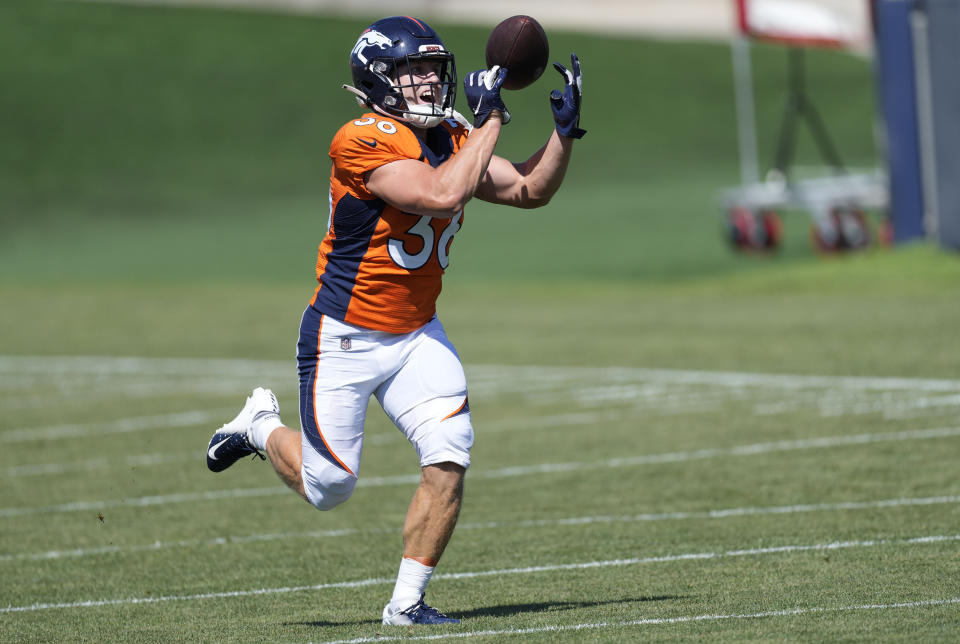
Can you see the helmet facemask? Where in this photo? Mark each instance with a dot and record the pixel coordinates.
(397, 73)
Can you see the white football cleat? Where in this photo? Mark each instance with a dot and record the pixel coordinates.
(419, 613)
(232, 442)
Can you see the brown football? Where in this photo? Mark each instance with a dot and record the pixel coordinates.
(518, 43)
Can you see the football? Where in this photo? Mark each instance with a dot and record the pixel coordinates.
(518, 43)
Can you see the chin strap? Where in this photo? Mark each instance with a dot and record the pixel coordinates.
(462, 120)
(362, 100)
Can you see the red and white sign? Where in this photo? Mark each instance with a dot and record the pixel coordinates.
(837, 24)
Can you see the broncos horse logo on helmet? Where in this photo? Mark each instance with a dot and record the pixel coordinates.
(381, 49)
(370, 38)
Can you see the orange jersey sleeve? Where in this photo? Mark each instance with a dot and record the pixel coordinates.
(378, 267)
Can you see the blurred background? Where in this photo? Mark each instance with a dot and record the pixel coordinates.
(152, 148)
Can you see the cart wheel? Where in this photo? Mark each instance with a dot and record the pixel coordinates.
(749, 233)
(854, 230)
(825, 234)
(843, 229)
(740, 223)
(773, 228)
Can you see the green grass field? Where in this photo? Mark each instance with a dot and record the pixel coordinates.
(674, 442)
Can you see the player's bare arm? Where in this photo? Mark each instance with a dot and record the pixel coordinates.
(418, 188)
(415, 187)
(530, 184)
(533, 183)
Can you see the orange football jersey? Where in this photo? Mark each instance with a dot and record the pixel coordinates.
(378, 267)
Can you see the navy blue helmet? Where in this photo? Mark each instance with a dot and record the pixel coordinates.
(399, 43)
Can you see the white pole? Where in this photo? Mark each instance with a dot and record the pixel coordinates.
(928, 158)
(746, 121)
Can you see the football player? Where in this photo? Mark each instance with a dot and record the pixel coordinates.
(402, 174)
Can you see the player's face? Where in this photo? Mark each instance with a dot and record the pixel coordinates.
(420, 81)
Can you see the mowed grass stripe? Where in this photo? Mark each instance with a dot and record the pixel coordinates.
(360, 583)
(507, 472)
(653, 621)
(726, 513)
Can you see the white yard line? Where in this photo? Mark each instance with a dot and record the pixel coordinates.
(93, 464)
(135, 365)
(213, 418)
(724, 513)
(654, 621)
(52, 366)
(819, 547)
(598, 394)
(507, 472)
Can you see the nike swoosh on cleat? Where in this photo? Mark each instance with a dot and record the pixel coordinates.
(212, 452)
(372, 142)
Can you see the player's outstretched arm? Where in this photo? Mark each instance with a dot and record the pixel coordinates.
(415, 187)
(533, 183)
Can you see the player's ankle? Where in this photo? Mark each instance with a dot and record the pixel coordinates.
(261, 429)
(412, 581)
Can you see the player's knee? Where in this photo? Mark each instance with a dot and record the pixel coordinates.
(333, 492)
(448, 442)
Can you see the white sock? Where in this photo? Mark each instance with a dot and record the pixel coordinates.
(411, 583)
(261, 430)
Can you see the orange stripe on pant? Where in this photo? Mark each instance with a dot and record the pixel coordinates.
(460, 409)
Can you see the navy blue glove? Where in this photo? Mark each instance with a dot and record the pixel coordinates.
(566, 104)
(483, 93)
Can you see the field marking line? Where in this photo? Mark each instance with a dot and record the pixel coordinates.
(654, 621)
(136, 365)
(489, 525)
(542, 468)
(217, 416)
(199, 417)
(94, 464)
(100, 370)
(118, 426)
(693, 556)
